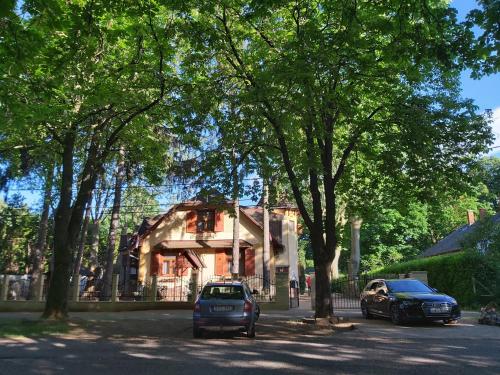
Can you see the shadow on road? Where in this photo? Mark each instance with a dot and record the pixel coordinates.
(165, 346)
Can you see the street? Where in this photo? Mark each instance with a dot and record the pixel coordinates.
(160, 342)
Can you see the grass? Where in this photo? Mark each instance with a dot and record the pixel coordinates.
(24, 327)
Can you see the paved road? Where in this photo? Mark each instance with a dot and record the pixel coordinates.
(159, 342)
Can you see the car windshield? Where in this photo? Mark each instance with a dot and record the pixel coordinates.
(397, 286)
(222, 292)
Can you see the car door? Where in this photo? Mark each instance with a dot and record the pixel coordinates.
(381, 299)
(368, 295)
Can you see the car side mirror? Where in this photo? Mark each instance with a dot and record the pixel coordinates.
(255, 291)
(381, 292)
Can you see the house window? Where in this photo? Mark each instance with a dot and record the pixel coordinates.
(168, 266)
(205, 221)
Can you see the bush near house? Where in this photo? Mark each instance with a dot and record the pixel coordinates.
(453, 274)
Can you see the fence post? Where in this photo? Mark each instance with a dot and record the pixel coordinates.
(39, 291)
(154, 287)
(114, 287)
(76, 288)
(282, 291)
(193, 287)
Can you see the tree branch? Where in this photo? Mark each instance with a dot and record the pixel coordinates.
(350, 146)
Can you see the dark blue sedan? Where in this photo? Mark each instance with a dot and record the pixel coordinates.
(404, 300)
(225, 305)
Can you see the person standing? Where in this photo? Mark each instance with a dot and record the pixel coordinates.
(308, 284)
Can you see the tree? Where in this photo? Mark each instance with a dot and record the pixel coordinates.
(17, 235)
(114, 223)
(323, 81)
(484, 56)
(489, 174)
(94, 74)
(41, 241)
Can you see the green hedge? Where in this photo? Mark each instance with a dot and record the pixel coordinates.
(452, 274)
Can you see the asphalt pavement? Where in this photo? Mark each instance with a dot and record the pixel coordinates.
(160, 342)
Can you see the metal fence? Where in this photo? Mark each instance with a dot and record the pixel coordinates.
(266, 288)
(172, 289)
(18, 288)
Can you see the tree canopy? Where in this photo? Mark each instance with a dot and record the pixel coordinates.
(349, 104)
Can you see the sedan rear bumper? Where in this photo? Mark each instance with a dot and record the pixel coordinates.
(221, 321)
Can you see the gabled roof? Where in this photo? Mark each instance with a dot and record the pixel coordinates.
(454, 241)
(254, 214)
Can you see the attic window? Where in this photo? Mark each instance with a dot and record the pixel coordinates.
(205, 221)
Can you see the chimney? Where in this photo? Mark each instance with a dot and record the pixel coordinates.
(482, 213)
(470, 217)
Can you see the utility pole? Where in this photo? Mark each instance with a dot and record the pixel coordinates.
(266, 246)
(236, 220)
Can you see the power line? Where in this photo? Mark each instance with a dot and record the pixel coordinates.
(138, 186)
(153, 206)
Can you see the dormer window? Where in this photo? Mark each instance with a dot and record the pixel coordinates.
(205, 221)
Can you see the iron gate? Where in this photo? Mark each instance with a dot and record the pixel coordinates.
(346, 291)
(266, 289)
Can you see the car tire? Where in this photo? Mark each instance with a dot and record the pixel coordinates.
(450, 321)
(196, 332)
(251, 331)
(396, 315)
(364, 311)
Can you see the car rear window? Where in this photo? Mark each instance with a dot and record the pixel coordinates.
(222, 292)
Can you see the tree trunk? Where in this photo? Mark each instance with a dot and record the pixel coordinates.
(57, 298)
(123, 260)
(324, 301)
(236, 239)
(41, 242)
(236, 223)
(94, 229)
(335, 262)
(113, 227)
(355, 247)
(266, 246)
(83, 239)
(67, 225)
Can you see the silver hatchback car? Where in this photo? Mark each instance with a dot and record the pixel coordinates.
(225, 305)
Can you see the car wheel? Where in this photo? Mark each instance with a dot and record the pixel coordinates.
(450, 321)
(365, 312)
(196, 332)
(251, 331)
(396, 315)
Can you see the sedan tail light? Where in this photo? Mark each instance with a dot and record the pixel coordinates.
(247, 307)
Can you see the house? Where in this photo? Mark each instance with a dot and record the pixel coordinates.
(194, 240)
(453, 242)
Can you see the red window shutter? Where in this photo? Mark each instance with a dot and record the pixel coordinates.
(220, 262)
(219, 221)
(181, 265)
(156, 260)
(249, 262)
(191, 222)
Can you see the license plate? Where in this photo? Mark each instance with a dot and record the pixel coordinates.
(437, 310)
(222, 308)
